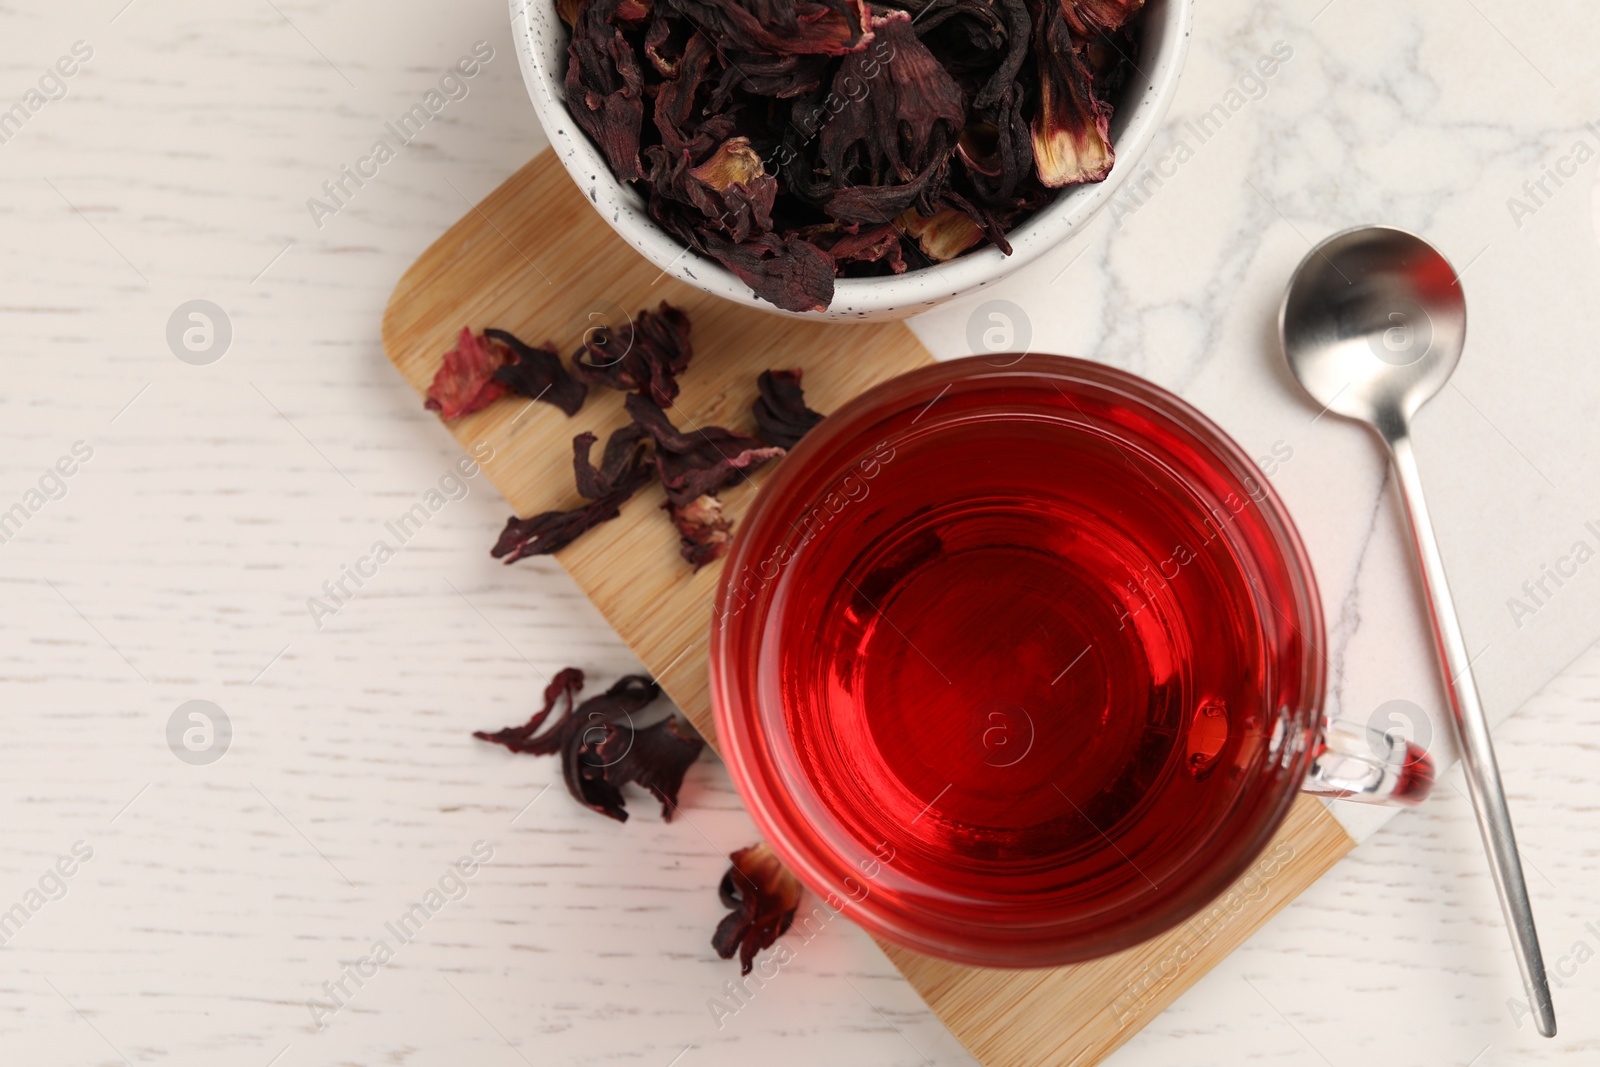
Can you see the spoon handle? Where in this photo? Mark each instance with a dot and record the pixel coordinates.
(1472, 737)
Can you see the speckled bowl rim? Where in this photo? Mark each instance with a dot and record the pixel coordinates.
(541, 51)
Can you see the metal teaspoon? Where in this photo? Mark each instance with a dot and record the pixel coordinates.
(1372, 326)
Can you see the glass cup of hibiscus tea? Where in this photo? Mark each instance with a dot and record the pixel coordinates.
(1017, 661)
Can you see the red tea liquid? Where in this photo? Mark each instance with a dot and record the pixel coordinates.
(1030, 664)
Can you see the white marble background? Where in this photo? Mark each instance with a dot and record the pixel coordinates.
(176, 565)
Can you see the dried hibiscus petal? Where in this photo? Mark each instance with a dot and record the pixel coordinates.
(524, 738)
(900, 108)
(466, 380)
(1087, 18)
(782, 27)
(605, 83)
(790, 272)
(585, 771)
(624, 468)
(704, 534)
(655, 757)
(944, 235)
(782, 417)
(600, 748)
(675, 109)
(538, 374)
(551, 531)
(733, 189)
(645, 354)
(763, 896)
(1072, 130)
(868, 245)
(700, 462)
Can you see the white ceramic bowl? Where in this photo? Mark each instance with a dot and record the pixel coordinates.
(541, 41)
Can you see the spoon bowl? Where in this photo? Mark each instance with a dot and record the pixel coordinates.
(1374, 324)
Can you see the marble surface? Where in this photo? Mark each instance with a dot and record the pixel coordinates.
(209, 906)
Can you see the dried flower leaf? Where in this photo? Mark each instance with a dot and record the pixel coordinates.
(944, 235)
(782, 27)
(624, 468)
(675, 110)
(699, 462)
(889, 144)
(704, 534)
(600, 749)
(733, 190)
(538, 374)
(869, 244)
(782, 417)
(1072, 130)
(525, 738)
(644, 354)
(763, 896)
(655, 757)
(466, 381)
(787, 271)
(605, 84)
(1087, 18)
(551, 531)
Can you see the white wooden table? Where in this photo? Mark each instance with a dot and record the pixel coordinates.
(210, 906)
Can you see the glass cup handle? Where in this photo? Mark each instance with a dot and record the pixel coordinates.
(1356, 762)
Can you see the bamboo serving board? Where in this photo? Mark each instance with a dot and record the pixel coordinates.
(535, 258)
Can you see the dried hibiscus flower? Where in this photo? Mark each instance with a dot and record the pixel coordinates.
(782, 417)
(701, 461)
(605, 82)
(600, 748)
(645, 354)
(781, 27)
(763, 896)
(693, 466)
(1090, 18)
(797, 141)
(466, 380)
(789, 272)
(525, 738)
(655, 757)
(1072, 129)
(538, 374)
(623, 470)
(943, 235)
(704, 534)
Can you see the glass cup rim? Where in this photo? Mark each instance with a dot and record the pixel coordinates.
(737, 723)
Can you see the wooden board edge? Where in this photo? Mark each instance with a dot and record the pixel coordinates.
(1113, 1007)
